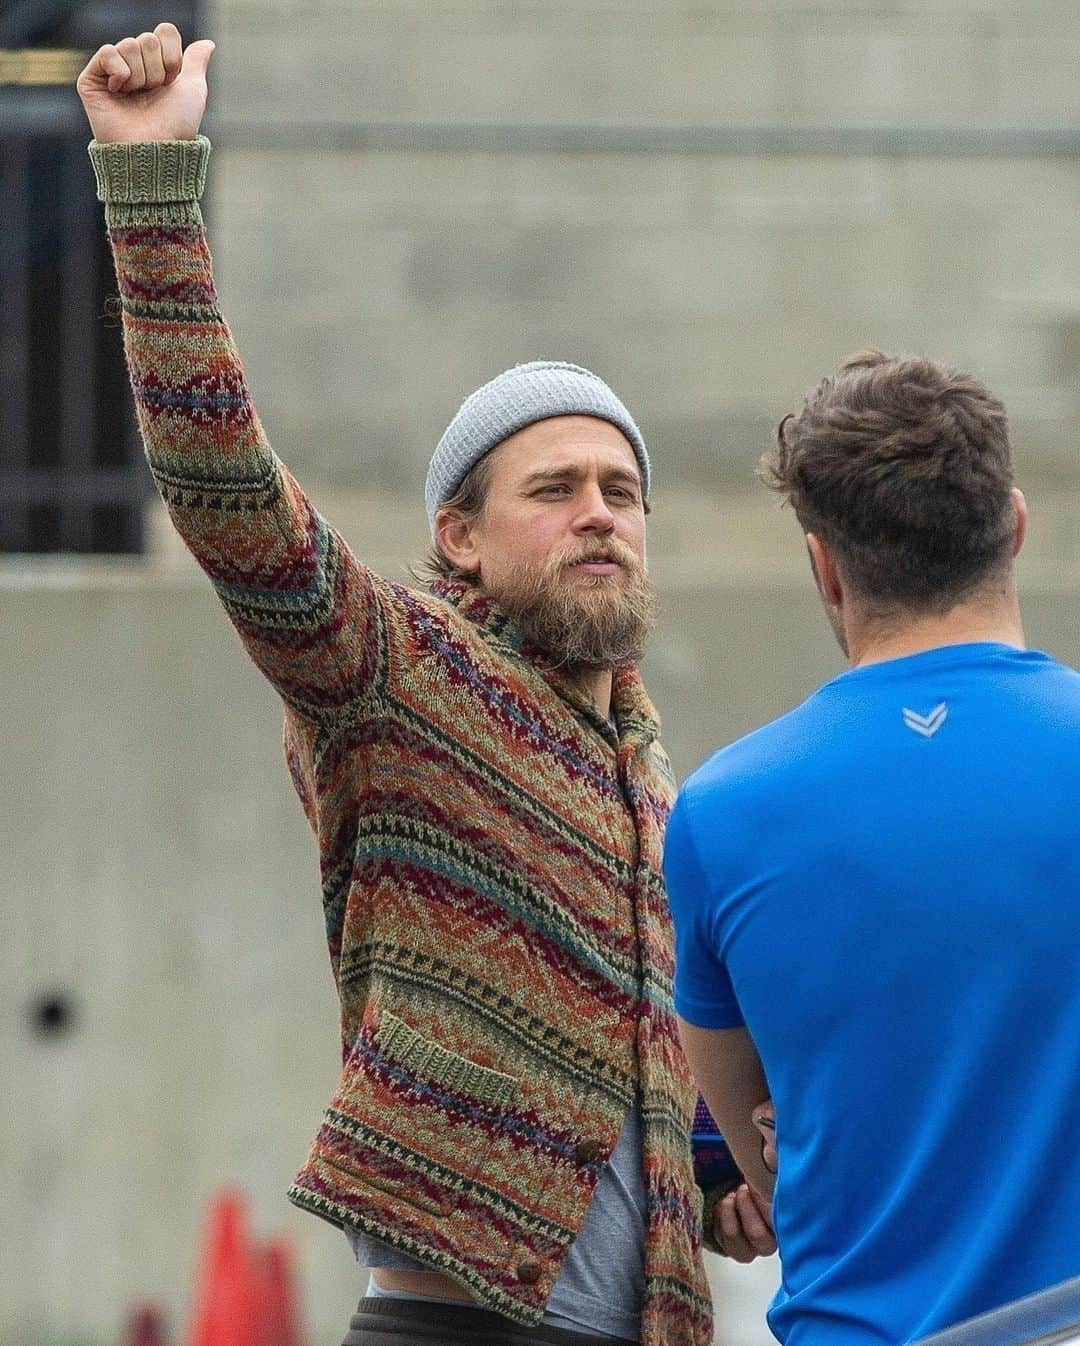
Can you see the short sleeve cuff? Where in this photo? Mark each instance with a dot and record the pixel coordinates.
(708, 1014)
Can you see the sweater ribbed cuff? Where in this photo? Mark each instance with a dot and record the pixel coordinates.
(150, 173)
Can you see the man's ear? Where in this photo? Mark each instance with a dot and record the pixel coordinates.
(1021, 515)
(456, 536)
(826, 574)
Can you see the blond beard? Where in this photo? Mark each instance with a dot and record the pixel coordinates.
(591, 621)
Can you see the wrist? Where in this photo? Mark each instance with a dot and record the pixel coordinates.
(143, 140)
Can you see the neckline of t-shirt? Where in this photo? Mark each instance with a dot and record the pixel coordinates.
(970, 651)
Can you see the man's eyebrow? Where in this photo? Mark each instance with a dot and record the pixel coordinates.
(575, 473)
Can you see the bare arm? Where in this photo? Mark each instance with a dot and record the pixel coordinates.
(728, 1070)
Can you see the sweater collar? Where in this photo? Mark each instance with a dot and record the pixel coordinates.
(634, 714)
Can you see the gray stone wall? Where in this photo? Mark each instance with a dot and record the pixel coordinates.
(374, 289)
(803, 61)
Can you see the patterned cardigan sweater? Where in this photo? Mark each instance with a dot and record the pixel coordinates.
(490, 847)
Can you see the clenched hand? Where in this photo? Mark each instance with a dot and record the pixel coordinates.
(147, 87)
(742, 1225)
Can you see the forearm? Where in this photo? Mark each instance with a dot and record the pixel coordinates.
(298, 598)
(732, 1082)
(205, 446)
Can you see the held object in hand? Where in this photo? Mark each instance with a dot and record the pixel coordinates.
(713, 1162)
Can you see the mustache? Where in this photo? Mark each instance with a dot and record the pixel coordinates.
(610, 550)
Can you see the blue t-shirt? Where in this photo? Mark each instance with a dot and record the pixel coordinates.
(884, 886)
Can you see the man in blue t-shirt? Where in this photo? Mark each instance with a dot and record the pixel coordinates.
(877, 896)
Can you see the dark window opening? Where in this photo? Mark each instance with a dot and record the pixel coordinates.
(72, 475)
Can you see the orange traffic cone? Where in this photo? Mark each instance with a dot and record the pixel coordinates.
(145, 1326)
(279, 1318)
(226, 1304)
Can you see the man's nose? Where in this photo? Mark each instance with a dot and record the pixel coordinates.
(595, 514)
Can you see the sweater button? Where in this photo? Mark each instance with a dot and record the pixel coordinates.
(529, 1271)
(587, 1151)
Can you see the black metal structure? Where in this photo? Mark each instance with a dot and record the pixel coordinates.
(72, 475)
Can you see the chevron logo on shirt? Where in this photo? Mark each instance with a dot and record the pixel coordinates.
(927, 724)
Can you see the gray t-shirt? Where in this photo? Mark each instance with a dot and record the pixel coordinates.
(602, 1282)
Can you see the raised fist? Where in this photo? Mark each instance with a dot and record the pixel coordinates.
(147, 87)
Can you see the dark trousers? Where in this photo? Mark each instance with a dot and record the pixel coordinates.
(383, 1321)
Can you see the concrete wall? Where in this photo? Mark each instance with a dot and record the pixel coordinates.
(371, 292)
(801, 61)
(373, 289)
(157, 866)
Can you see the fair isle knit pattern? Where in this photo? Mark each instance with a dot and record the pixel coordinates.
(490, 848)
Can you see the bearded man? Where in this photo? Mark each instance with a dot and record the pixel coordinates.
(508, 1146)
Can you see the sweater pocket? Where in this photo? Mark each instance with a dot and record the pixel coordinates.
(413, 1119)
(440, 1066)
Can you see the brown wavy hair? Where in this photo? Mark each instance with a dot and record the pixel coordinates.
(903, 467)
(468, 500)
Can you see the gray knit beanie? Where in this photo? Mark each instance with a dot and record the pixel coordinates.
(516, 398)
